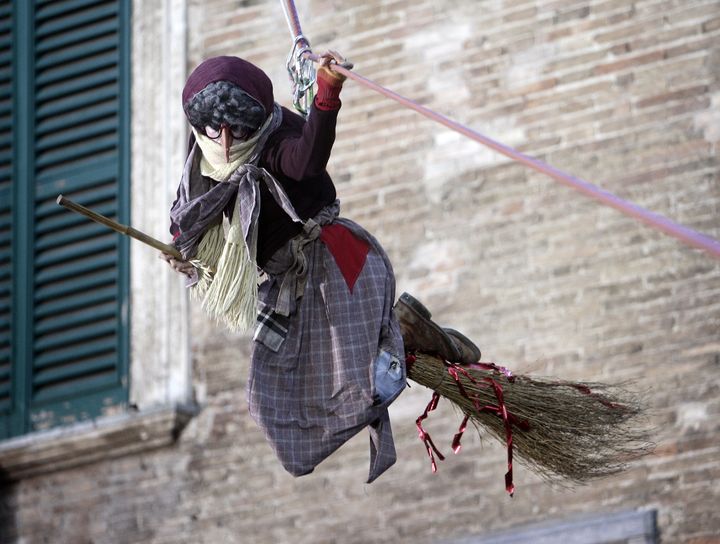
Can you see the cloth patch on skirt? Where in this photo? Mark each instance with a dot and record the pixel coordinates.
(389, 378)
(349, 251)
(271, 329)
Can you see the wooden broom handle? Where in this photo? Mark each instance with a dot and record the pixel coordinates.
(118, 227)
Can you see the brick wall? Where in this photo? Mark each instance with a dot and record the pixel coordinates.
(623, 94)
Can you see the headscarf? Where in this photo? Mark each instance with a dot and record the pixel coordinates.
(237, 71)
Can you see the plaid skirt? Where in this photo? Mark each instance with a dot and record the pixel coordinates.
(334, 364)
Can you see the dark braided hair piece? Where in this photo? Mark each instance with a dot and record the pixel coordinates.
(224, 103)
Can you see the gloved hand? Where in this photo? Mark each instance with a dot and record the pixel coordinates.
(329, 82)
(182, 267)
(325, 72)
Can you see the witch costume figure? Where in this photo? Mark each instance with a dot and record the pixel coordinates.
(328, 355)
(257, 222)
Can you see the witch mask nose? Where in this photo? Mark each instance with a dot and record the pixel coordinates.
(226, 139)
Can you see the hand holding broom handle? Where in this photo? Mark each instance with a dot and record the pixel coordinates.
(118, 227)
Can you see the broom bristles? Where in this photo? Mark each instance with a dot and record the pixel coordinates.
(575, 431)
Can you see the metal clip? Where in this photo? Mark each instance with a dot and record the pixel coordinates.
(302, 75)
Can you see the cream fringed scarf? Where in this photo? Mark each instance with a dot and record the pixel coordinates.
(227, 271)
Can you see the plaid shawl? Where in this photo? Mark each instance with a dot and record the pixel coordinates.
(201, 201)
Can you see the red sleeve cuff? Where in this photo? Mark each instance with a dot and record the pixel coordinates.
(328, 92)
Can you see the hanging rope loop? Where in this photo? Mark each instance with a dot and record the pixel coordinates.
(301, 70)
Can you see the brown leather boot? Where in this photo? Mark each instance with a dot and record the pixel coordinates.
(422, 334)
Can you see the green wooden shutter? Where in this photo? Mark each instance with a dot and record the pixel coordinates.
(74, 120)
(6, 148)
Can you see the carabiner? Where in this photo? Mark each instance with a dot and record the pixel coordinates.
(302, 75)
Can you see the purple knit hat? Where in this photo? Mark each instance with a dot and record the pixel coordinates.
(237, 71)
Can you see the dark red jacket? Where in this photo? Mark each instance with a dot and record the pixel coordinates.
(296, 154)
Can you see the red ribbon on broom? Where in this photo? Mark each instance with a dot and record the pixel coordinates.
(510, 420)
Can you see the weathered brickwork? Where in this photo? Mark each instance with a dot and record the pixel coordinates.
(625, 94)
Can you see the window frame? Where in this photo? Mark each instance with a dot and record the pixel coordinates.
(28, 412)
(161, 398)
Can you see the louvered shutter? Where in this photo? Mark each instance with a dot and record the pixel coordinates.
(78, 132)
(6, 148)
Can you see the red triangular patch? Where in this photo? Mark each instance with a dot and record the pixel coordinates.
(349, 251)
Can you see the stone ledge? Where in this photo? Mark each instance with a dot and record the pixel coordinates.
(638, 526)
(105, 438)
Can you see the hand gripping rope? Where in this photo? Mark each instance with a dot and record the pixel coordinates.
(654, 220)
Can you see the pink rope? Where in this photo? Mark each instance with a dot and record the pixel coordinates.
(291, 15)
(654, 220)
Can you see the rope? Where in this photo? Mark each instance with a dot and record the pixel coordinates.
(291, 16)
(651, 219)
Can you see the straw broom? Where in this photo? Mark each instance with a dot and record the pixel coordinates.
(568, 432)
